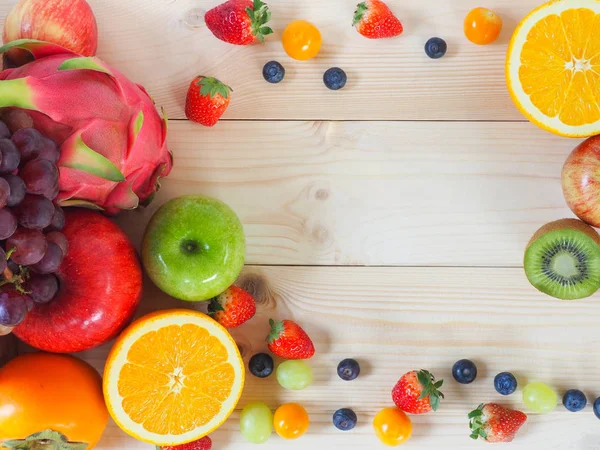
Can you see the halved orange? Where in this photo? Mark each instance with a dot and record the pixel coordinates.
(173, 377)
(553, 67)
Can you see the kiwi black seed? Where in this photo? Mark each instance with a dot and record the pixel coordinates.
(563, 260)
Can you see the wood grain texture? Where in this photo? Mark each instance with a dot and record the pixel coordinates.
(397, 319)
(388, 79)
(373, 193)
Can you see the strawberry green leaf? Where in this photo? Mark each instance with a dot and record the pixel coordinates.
(476, 423)
(430, 388)
(259, 16)
(276, 330)
(214, 306)
(361, 9)
(435, 402)
(210, 86)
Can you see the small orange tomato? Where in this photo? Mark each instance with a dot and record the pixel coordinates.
(301, 40)
(392, 427)
(291, 421)
(482, 26)
(40, 392)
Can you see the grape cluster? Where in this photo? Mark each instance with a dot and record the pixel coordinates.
(32, 246)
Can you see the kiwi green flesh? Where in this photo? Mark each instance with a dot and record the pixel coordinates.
(564, 264)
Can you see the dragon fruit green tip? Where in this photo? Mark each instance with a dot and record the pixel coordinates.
(112, 139)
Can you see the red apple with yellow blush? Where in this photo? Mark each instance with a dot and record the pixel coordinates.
(581, 181)
(69, 23)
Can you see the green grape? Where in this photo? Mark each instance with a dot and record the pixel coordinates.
(294, 375)
(539, 397)
(256, 423)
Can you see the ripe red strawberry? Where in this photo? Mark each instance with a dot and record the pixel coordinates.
(203, 444)
(417, 392)
(289, 341)
(232, 308)
(495, 423)
(207, 100)
(373, 19)
(239, 22)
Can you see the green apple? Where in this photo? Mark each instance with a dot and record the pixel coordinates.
(194, 248)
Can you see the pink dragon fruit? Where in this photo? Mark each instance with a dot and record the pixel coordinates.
(112, 139)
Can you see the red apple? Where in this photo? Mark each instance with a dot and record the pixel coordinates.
(581, 181)
(100, 289)
(70, 23)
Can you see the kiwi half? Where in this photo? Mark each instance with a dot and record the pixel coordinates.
(563, 259)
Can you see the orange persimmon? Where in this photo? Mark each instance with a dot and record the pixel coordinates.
(40, 392)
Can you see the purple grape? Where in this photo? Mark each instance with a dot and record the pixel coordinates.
(16, 119)
(4, 192)
(51, 195)
(29, 142)
(11, 158)
(8, 223)
(51, 260)
(60, 240)
(40, 176)
(58, 219)
(35, 212)
(29, 303)
(4, 131)
(49, 151)
(30, 246)
(13, 266)
(43, 288)
(13, 309)
(17, 189)
(3, 262)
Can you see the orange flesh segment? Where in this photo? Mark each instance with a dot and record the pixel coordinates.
(175, 379)
(560, 66)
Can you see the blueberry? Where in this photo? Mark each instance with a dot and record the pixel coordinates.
(273, 72)
(505, 383)
(348, 370)
(436, 48)
(574, 400)
(344, 419)
(597, 407)
(335, 78)
(261, 365)
(464, 371)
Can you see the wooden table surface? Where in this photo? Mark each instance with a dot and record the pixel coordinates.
(388, 218)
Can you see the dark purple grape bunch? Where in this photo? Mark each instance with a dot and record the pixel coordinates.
(32, 246)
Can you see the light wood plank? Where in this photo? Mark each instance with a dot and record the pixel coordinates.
(379, 193)
(398, 319)
(388, 79)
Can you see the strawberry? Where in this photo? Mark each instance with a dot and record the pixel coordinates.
(495, 423)
(374, 20)
(417, 392)
(239, 22)
(289, 341)
(203, 444)
(232, 308)
(207, 100)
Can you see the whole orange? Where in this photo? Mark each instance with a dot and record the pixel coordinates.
(43, 391)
